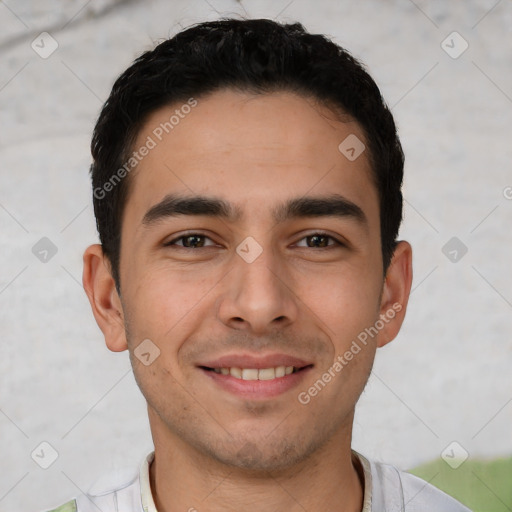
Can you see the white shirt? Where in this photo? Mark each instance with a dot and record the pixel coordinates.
(386, 489)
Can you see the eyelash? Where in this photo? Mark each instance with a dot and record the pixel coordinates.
(316, 233)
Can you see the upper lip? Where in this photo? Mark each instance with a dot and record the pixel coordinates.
(253, 361)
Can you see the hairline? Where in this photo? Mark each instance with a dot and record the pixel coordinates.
(125, 188)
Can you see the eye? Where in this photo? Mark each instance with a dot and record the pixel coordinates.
(190, 241)
(197, 241)
(319, 240)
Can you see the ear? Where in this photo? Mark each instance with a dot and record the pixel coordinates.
(395, 293)
(105, 302)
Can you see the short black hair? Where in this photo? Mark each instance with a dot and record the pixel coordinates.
(252, 55)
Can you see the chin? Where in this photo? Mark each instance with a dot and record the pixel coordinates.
(264, 457)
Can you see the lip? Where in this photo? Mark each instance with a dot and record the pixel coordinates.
(258, 362)
(256, 389)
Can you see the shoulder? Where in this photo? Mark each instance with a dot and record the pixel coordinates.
(393, 489)
(117, 491)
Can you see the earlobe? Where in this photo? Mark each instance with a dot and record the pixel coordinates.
(106, 305)
(395, 293)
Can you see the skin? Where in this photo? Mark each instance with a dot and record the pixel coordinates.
(215, 450)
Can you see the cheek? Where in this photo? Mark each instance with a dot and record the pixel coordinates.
(164, 302)
(347, 301)
(163, 308)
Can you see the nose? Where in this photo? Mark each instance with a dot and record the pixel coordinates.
(257, 296)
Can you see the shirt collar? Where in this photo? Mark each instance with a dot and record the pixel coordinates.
(148, 504)
(365, 469)
(146, 496)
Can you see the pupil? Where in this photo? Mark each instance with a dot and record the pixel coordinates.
(193, 241)
(317, 240)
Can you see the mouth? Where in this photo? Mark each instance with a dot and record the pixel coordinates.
(256, 378)
(256, 373)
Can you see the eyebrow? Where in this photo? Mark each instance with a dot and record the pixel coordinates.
(333, 205)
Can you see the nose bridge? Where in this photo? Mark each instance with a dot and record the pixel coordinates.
(256, 273)
(256, 294)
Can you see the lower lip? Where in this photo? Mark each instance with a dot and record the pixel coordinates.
(257, 389)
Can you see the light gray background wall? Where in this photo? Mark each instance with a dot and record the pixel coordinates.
(447, 377)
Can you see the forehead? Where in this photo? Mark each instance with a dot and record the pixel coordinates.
(249, 149)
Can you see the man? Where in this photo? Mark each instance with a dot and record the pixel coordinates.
(247, 190)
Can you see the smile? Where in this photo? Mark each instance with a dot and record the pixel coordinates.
(256, 373)
(257, 383)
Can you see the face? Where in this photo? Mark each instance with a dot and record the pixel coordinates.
(251, 248)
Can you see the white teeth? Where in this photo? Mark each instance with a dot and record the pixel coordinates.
(236, 372)
(267, 374)
(255, 373)
(250, 374)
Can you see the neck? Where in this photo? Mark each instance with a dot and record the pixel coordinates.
(183, 479)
